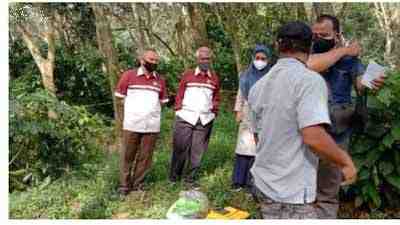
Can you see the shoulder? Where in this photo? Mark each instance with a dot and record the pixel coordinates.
(312, 78)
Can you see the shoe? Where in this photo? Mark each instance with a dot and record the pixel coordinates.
(192, 185)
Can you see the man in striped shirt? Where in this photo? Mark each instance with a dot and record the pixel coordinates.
(143, 91)
(196, 106)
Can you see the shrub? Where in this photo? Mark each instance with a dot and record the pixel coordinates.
(376, 153)
(48, 137)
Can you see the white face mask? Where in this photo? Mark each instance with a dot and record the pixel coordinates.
(260, 64)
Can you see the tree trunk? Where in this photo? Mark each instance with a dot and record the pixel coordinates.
(388, 15)
(138, 15)
(45, 65)
(301, 12)
(110, 56)
(322, 8)
(198, 24)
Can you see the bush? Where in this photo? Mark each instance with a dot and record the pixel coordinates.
(48, 137)
(376, 153)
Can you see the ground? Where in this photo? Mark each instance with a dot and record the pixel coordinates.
(92, 191)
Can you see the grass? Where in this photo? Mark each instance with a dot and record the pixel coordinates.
(91, 192)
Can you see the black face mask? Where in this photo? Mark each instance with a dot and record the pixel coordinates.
(321, 45)
(150, 67)
(204, 66)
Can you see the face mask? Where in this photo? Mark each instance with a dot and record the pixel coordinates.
(150, 67)
(204, 66)
(260, 64)
(321, 45)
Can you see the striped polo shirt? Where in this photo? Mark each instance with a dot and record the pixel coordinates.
(143, 94)
(197, 97)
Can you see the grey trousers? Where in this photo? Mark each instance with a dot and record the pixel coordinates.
(189, 144)
(271, 209)
(328, 182)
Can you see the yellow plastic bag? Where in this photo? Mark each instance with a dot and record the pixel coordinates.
(228, 213)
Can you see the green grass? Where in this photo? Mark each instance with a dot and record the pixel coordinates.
(91, 192)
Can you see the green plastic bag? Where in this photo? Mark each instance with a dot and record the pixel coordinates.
(190, 205)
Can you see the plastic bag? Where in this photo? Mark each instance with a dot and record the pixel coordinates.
(190, 205)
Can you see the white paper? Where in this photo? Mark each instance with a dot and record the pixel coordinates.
(373, 71)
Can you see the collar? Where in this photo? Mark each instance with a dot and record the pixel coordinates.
(291, 60)
(141, 71)
(197, 72)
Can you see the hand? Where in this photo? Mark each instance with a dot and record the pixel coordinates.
(353, 49)
(238, 116)
(378, 82)
(349, 174)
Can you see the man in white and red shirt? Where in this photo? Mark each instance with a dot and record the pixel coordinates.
(196, 106)
(143, 91)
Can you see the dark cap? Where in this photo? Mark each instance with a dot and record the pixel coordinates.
(295, 31)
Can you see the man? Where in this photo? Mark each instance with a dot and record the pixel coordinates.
(143, 91)
(289, 115)
(340, 77)
(196, 106)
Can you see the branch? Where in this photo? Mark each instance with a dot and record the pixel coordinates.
(163, 42)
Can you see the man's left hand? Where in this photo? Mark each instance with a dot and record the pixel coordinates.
(378, 82)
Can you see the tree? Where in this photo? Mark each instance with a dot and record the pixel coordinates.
(198, 24)
(36, 29)
(388, 15)
(111, 64)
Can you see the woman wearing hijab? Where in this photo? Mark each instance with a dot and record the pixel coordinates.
(245, 147)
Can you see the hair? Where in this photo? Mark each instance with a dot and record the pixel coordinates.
(334, 20)
(141, 55)
(294, 37)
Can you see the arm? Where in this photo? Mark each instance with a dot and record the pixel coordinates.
(180, 94)
(163, 93)
(324, 146)
(121, 92)
(216, 98)
(321, 62)
(238, 105)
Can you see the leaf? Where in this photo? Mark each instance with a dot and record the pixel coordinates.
(46, 182)
(388, 140)
(363, 174)
(375, 176)
(394, 180)
(385, 167)
(374, 195)
(396, 130)
(372, 157)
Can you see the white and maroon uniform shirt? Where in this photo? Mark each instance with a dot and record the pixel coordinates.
(143, 94)
(197, 97)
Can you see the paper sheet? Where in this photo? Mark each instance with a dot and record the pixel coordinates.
(373, 71)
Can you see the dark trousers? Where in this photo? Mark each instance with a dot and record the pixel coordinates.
(328, 182)
(189, 144)
(241, 175)
(135, 158)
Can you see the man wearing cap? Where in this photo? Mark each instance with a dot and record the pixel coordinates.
(196, 106)
(143, 91)
(289, 108)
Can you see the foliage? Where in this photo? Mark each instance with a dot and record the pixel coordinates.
(377, 152)
(81, 81)
(48, 138)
